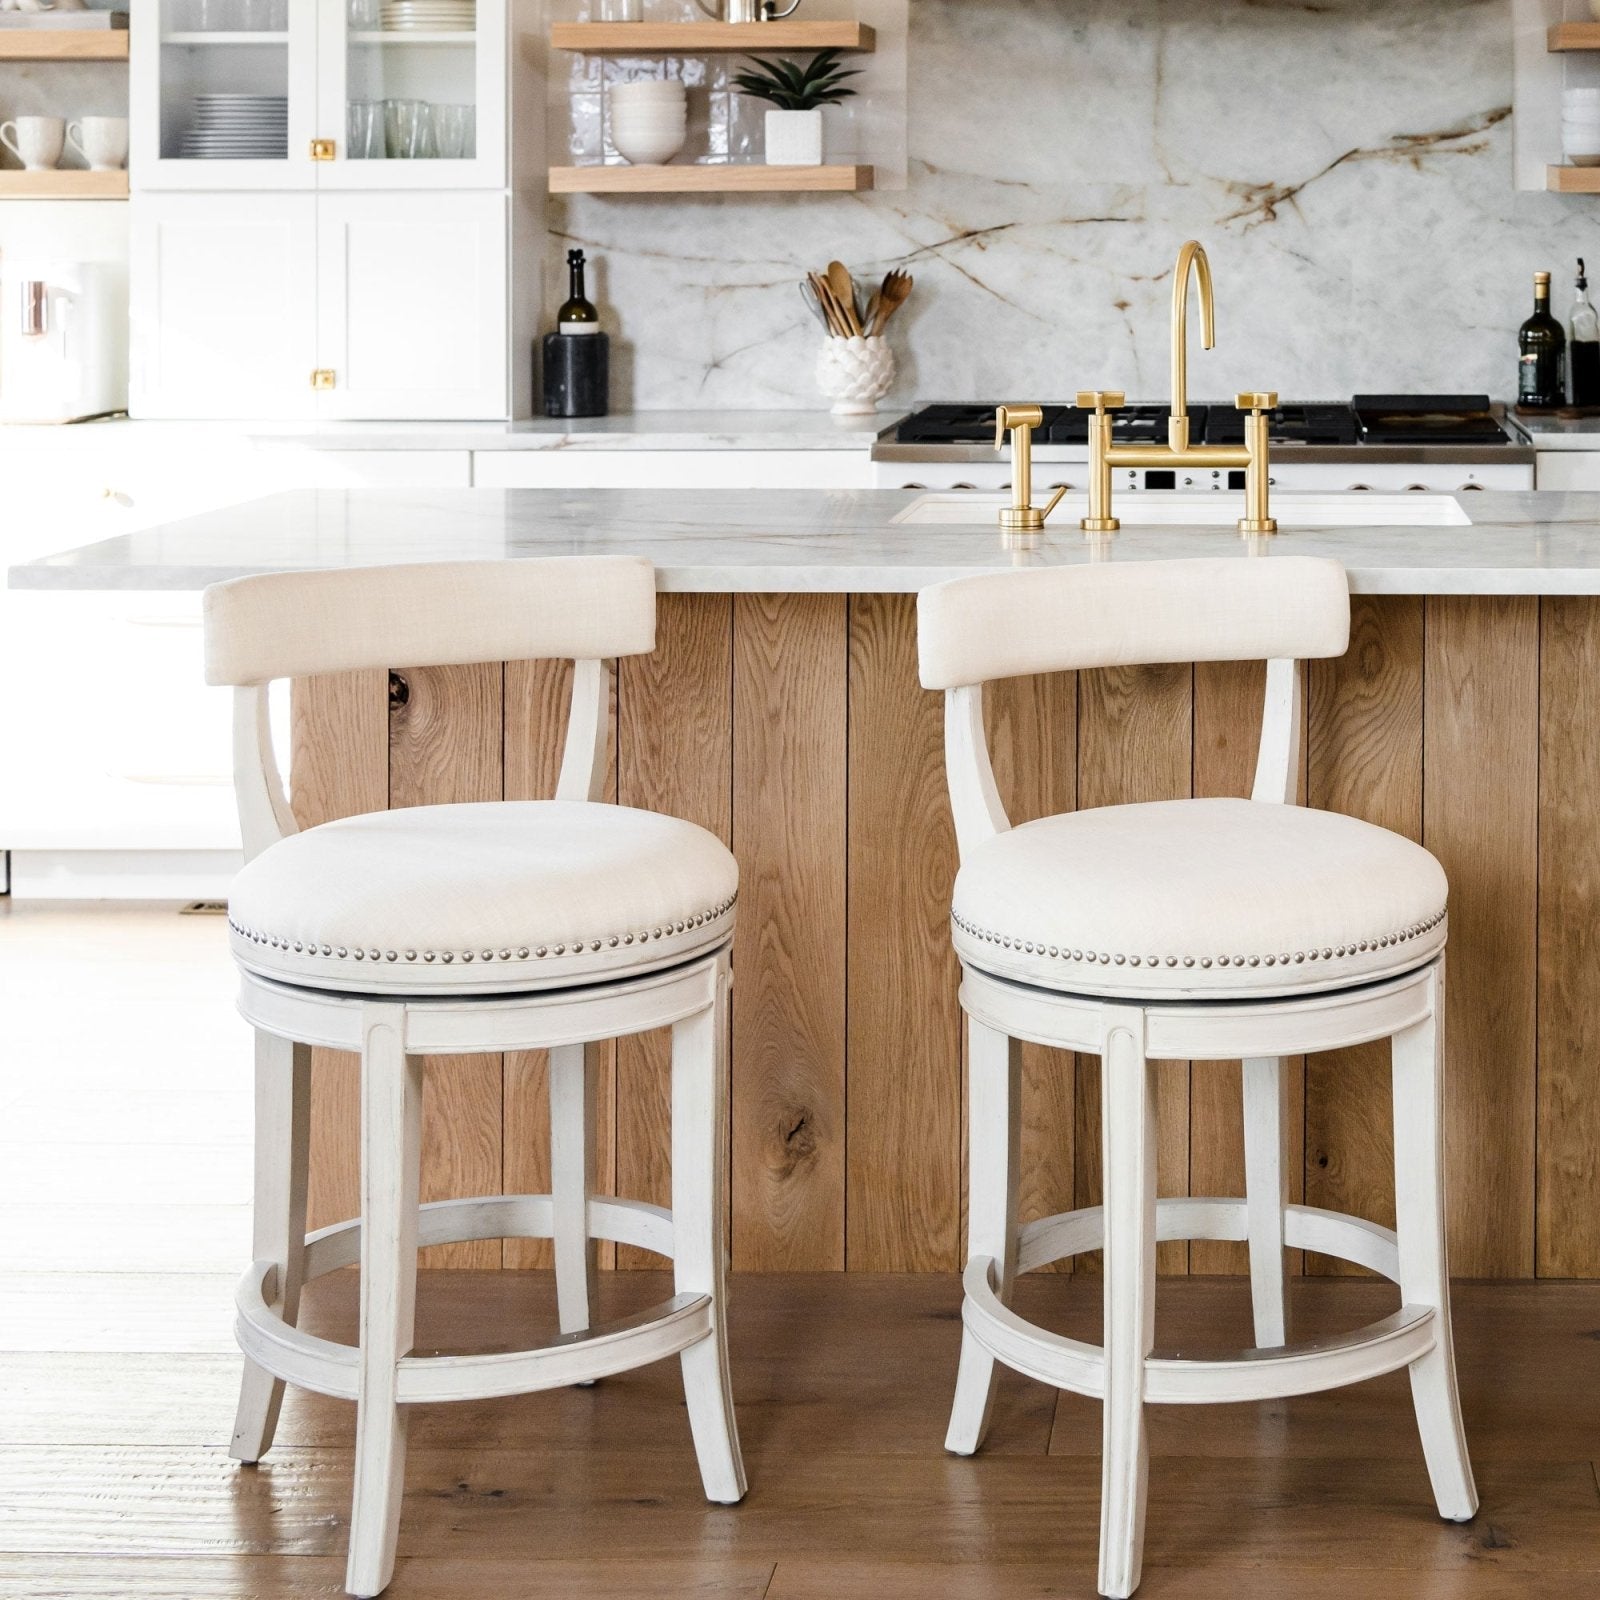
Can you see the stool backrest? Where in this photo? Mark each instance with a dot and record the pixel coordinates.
(586, 609)
(1278, 609)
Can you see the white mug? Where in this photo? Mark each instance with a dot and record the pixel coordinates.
(101, 141)
(34, 141)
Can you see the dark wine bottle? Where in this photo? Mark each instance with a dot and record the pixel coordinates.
(1542, 354)
(1583, 345)
(578, 315)
(577, 356)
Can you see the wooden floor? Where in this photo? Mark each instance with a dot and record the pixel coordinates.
(122, 1175)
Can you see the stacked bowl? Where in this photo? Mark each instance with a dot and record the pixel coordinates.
(1580, 126)
(649, 120)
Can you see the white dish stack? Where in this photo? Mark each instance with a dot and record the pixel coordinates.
(649, 120)
(1580, 126)
(428, 16)
(238, 127)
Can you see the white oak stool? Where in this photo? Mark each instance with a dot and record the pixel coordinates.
(454, 929)
(1199, 930)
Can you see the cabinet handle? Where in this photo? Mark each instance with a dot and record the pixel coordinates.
(322, 149)
(322, 378)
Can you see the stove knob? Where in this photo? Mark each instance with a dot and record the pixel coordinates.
(1416, 488)
(974, 486)
(1475, 486)
(1188, 483)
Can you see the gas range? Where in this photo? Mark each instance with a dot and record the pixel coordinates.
(1376, 441)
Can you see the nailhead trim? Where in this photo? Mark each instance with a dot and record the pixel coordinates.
(1118, 959)
(521, 953)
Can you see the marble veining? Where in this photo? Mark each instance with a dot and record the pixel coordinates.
(1346, 162)
(804, 541)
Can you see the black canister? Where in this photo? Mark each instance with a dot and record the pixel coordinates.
(577, 375)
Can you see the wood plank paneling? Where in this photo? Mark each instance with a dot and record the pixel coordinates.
(1135, 743)
(1480, 818)
(1227, 734)
(536, 696)
(445, 746)
(339, 767)
(1569, 941)
(789, 697)
(675, 755)
(1364, 758)
(1033, 743)
(903, 1039)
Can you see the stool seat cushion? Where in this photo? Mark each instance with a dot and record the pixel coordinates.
(1231, 898)
(493, 898)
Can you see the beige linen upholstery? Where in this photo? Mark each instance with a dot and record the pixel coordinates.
(1230, 898)
(293, 624)
(495, 897)
(1010, 624)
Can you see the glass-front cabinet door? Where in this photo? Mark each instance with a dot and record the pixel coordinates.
(412, 92)
(225, 94)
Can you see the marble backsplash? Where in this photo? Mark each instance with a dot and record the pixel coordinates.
(1347, 164)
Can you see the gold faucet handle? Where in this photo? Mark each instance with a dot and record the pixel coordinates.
(1101, 400)
(1007, 417)
(1256, 400)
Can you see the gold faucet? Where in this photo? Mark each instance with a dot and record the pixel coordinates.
(1022, 516)
(1252, 455)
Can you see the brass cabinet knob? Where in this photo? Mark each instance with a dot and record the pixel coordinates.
(1101, 399)
(1256, 400)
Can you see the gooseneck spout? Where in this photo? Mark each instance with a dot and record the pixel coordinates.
(1192, 262)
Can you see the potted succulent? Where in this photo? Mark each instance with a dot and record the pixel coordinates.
(797, 95)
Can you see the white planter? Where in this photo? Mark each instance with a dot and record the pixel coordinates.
(855, 374)
(794, 138)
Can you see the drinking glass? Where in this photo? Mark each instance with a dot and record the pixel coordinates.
(621, 11)
(216, 16)
(407, 129)
(365, 129)
(452, 132)
(364, 15)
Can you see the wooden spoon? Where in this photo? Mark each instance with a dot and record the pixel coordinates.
(844, 291)
(830, 310)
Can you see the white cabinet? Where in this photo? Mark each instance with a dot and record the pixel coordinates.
(224, 313)
(321, 221)
(1567, 469)
(287, 306)
(411, 318)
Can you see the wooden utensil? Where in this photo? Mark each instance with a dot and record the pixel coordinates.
(838, 322)
(844, 291)
(895, 292)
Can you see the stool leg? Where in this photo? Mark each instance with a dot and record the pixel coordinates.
(699, 1210)
(283, 1136)
(391, 1159)
(1418, 1055)
(572, 1114)
(1266, 1135)
(1128, 1142)
(994, 1133)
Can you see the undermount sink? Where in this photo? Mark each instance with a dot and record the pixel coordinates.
(1147, 509)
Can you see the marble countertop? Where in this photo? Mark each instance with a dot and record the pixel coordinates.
(844, 541)
(637, 430)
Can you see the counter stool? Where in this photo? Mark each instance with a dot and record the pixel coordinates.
(1189, 929)
(454, 929)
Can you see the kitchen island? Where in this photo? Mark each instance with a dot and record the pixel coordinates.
(781, 709)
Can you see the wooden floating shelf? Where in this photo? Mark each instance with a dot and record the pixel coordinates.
(1573, 36)
(748, 178)
(1572, 180)
(63, 185)
(696, 38)
(64, 44)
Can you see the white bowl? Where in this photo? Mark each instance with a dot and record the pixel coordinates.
(647, 132)
(1579, 91)
(652, 92)
(1588, 158)
(648, 149)
(649, 124)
